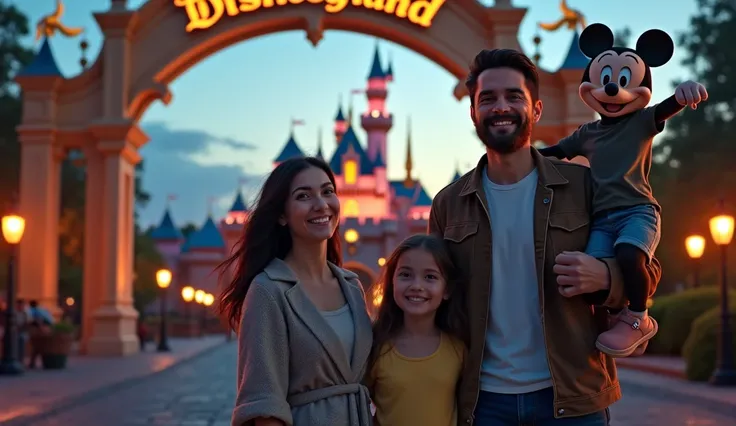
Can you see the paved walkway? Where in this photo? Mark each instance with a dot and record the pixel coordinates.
(46, 391)
(672, 366)
(202, 392)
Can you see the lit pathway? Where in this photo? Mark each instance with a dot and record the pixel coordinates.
(201, 393)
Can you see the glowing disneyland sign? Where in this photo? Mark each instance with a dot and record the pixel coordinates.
(204, 14)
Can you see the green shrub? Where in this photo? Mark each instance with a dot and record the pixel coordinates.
(700, 349)
(675, 314)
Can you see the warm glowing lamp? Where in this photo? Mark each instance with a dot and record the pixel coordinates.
(381, 261)
(199, 296)
(187, 293)
(13, 228)
(695, 246)
(351, 236)
(163, 278)
(209, 299)
(721, 229)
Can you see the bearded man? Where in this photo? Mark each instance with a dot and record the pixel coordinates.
(516, 226)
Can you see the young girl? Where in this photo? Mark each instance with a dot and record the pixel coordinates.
(418, 337)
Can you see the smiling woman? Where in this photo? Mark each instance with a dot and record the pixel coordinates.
(301, 318)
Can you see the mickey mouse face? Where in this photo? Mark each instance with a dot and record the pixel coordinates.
(618, 80)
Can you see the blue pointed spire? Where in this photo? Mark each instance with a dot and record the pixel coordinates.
(239, 204)
(166, 230)
(291, 150)
(575, 59)
(43, 63)
(376, 68)
(350, 140)
(339, 117)
(390, 70)
(206, 237)
(456, 177)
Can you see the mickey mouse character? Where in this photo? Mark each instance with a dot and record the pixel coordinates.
(617, 84)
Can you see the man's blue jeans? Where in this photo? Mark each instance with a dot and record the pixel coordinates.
(529, 409)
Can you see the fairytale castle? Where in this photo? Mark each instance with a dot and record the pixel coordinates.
(377, 212)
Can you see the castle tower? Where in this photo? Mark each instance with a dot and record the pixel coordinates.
(290, 150)
(168, 239)
(341, 125)
(377, 121)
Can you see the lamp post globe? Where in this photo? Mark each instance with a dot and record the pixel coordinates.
(695, 246)
(13, 226)
(721, 230)
(163, 279)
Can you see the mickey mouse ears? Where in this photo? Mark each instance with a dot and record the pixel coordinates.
(655, 47)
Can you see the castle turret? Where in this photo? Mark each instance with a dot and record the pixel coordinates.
(290, 150)
(168, 239)
(377, 121)
(341, 125)
(390, 71)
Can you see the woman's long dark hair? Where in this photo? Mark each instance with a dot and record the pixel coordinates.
(451, 316)
(264, 239)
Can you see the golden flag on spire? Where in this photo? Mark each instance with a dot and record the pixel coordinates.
(51, 24)
(570, 17)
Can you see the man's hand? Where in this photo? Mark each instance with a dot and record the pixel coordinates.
(579, 273)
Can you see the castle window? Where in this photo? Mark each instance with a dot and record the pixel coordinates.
(351, 209)
(350, 170)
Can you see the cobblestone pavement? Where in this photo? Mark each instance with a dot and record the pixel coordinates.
(201, 393)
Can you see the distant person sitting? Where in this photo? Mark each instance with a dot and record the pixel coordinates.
(39, 322)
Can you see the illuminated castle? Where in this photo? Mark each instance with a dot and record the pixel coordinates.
(377, 213)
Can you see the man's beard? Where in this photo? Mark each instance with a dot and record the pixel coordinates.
(508, 143)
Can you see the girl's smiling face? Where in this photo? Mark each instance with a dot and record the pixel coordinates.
(419, 287)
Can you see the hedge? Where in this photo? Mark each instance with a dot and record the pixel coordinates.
(700, 349)
(675, 314)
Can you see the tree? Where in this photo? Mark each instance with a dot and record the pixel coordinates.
(694, 166)
(622, 37)
(13, 57)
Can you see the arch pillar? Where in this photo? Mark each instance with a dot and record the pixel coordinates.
(110, 327)
(40, 187)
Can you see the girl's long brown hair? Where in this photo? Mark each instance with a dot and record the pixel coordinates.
(264, 239)
(451, 316)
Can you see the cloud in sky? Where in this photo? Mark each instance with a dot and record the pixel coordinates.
(171, 166)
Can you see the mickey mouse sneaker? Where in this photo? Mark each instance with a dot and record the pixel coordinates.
(629, 335)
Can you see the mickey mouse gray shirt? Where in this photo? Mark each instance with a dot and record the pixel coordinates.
(620, 156)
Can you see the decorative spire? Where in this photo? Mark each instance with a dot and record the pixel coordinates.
(210, 206)
(408, 182)
(376, 68)
(339, 117)
(319, 144)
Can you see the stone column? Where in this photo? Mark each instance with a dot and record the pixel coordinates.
(113, 323)
(91, 289)
(40, 174)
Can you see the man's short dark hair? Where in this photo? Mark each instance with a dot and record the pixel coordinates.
(502, 58)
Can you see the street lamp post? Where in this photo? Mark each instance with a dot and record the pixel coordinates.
(721, 229)
(187, 294)
(208, 300)
(199, 296)
(163, 279)
(13, 227)
(695, 246)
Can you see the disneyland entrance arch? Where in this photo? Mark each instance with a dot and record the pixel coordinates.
(143, 52)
